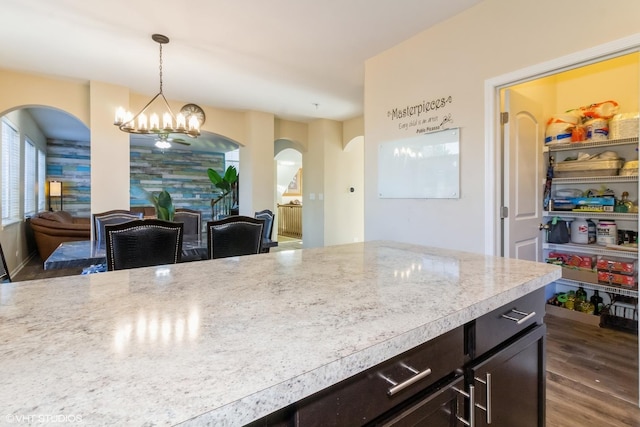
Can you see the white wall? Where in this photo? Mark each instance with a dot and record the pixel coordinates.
(344, 217)
(454, 59)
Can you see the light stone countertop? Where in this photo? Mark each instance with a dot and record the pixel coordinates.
(228, 341)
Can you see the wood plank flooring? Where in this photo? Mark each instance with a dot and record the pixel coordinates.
(592, 375)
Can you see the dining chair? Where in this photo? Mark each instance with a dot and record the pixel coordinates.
(4, 270)
(267, 231)
(142, 243)
(191, 219)
(116, 216)
(234, 236)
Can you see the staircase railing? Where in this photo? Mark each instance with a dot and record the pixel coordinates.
(290, 221)
(224, 205)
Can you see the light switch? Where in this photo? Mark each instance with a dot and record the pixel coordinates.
(320, 196)
(312, 196)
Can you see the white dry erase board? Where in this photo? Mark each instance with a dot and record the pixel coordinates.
(425, 166)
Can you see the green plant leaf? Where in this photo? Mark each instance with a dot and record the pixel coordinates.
(224, 183)
(164, 199)
(214, 176)
(231, 175)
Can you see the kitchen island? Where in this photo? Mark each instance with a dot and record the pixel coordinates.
(228, 341)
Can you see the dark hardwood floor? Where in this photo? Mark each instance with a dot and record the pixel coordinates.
(592, 375)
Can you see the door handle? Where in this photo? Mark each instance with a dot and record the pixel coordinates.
(487, 384)
(399, 387)
(472, 403)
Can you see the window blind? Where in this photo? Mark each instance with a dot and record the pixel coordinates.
(10, 172)
(42, 179)
(30, 182)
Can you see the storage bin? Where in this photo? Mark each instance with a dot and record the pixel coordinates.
(596, 167)
(623, 125)
(621, 266)
(629, 168)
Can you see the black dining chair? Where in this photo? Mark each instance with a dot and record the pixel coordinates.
(234, 236)
(191, 219)
(116, 216)
(267, 231)
(4, 270)
(142, 243)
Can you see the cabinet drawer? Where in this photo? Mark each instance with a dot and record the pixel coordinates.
(507, 321)
(367, 395)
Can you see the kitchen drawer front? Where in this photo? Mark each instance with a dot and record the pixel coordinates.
(365, 396)
(507, 321)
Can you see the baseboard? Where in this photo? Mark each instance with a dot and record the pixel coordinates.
(23, 264)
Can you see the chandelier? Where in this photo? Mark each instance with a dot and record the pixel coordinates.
(151, 125)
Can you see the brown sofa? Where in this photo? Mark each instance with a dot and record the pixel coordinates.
(52, 228)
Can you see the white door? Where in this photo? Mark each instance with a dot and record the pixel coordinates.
(523, 138)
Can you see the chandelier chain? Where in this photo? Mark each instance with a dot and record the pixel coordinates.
(160, 67)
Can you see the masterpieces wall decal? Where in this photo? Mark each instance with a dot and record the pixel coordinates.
(427, 116)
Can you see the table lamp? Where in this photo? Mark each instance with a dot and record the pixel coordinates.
(55, 190)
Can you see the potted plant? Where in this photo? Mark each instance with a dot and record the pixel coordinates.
(162, 202)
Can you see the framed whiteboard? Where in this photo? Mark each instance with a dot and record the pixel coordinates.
(426, 166)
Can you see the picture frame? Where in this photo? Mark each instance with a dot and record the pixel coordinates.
(295, 186)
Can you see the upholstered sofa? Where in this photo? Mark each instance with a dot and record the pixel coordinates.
(52, 228)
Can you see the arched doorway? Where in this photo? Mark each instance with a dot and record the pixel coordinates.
(53, 145)
(289, 186)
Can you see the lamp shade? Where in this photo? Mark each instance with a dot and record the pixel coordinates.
(55, 188)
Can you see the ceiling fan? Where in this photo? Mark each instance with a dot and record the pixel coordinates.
(164, 141)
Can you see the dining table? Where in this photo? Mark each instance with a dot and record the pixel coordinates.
(84, 254)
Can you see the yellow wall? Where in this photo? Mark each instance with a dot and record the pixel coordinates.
(455, 58)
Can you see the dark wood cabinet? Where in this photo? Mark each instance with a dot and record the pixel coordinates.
(438, 408)
(489, 372)
(384, 387)
(510, 383)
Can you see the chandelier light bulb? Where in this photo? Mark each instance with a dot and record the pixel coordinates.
(181, 125)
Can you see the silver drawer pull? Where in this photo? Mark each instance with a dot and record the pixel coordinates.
(399, 387)
(526, 317)
(472, 403)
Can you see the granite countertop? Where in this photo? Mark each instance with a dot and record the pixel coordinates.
(228, 341)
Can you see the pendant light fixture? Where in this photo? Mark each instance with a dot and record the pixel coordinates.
(142, 123)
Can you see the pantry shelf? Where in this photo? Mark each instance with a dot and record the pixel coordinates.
(599, 288)
(589, 144)
(587, 214)
(595, 179)
(590, 249)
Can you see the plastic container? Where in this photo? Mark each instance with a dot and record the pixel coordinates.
(558, 133)
(629, 168)
(595, 167)
(580, 231)
(597, 129)
(624, 125)
(606, 232)
(592, 231)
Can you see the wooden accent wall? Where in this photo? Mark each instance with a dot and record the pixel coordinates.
(183, 173)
